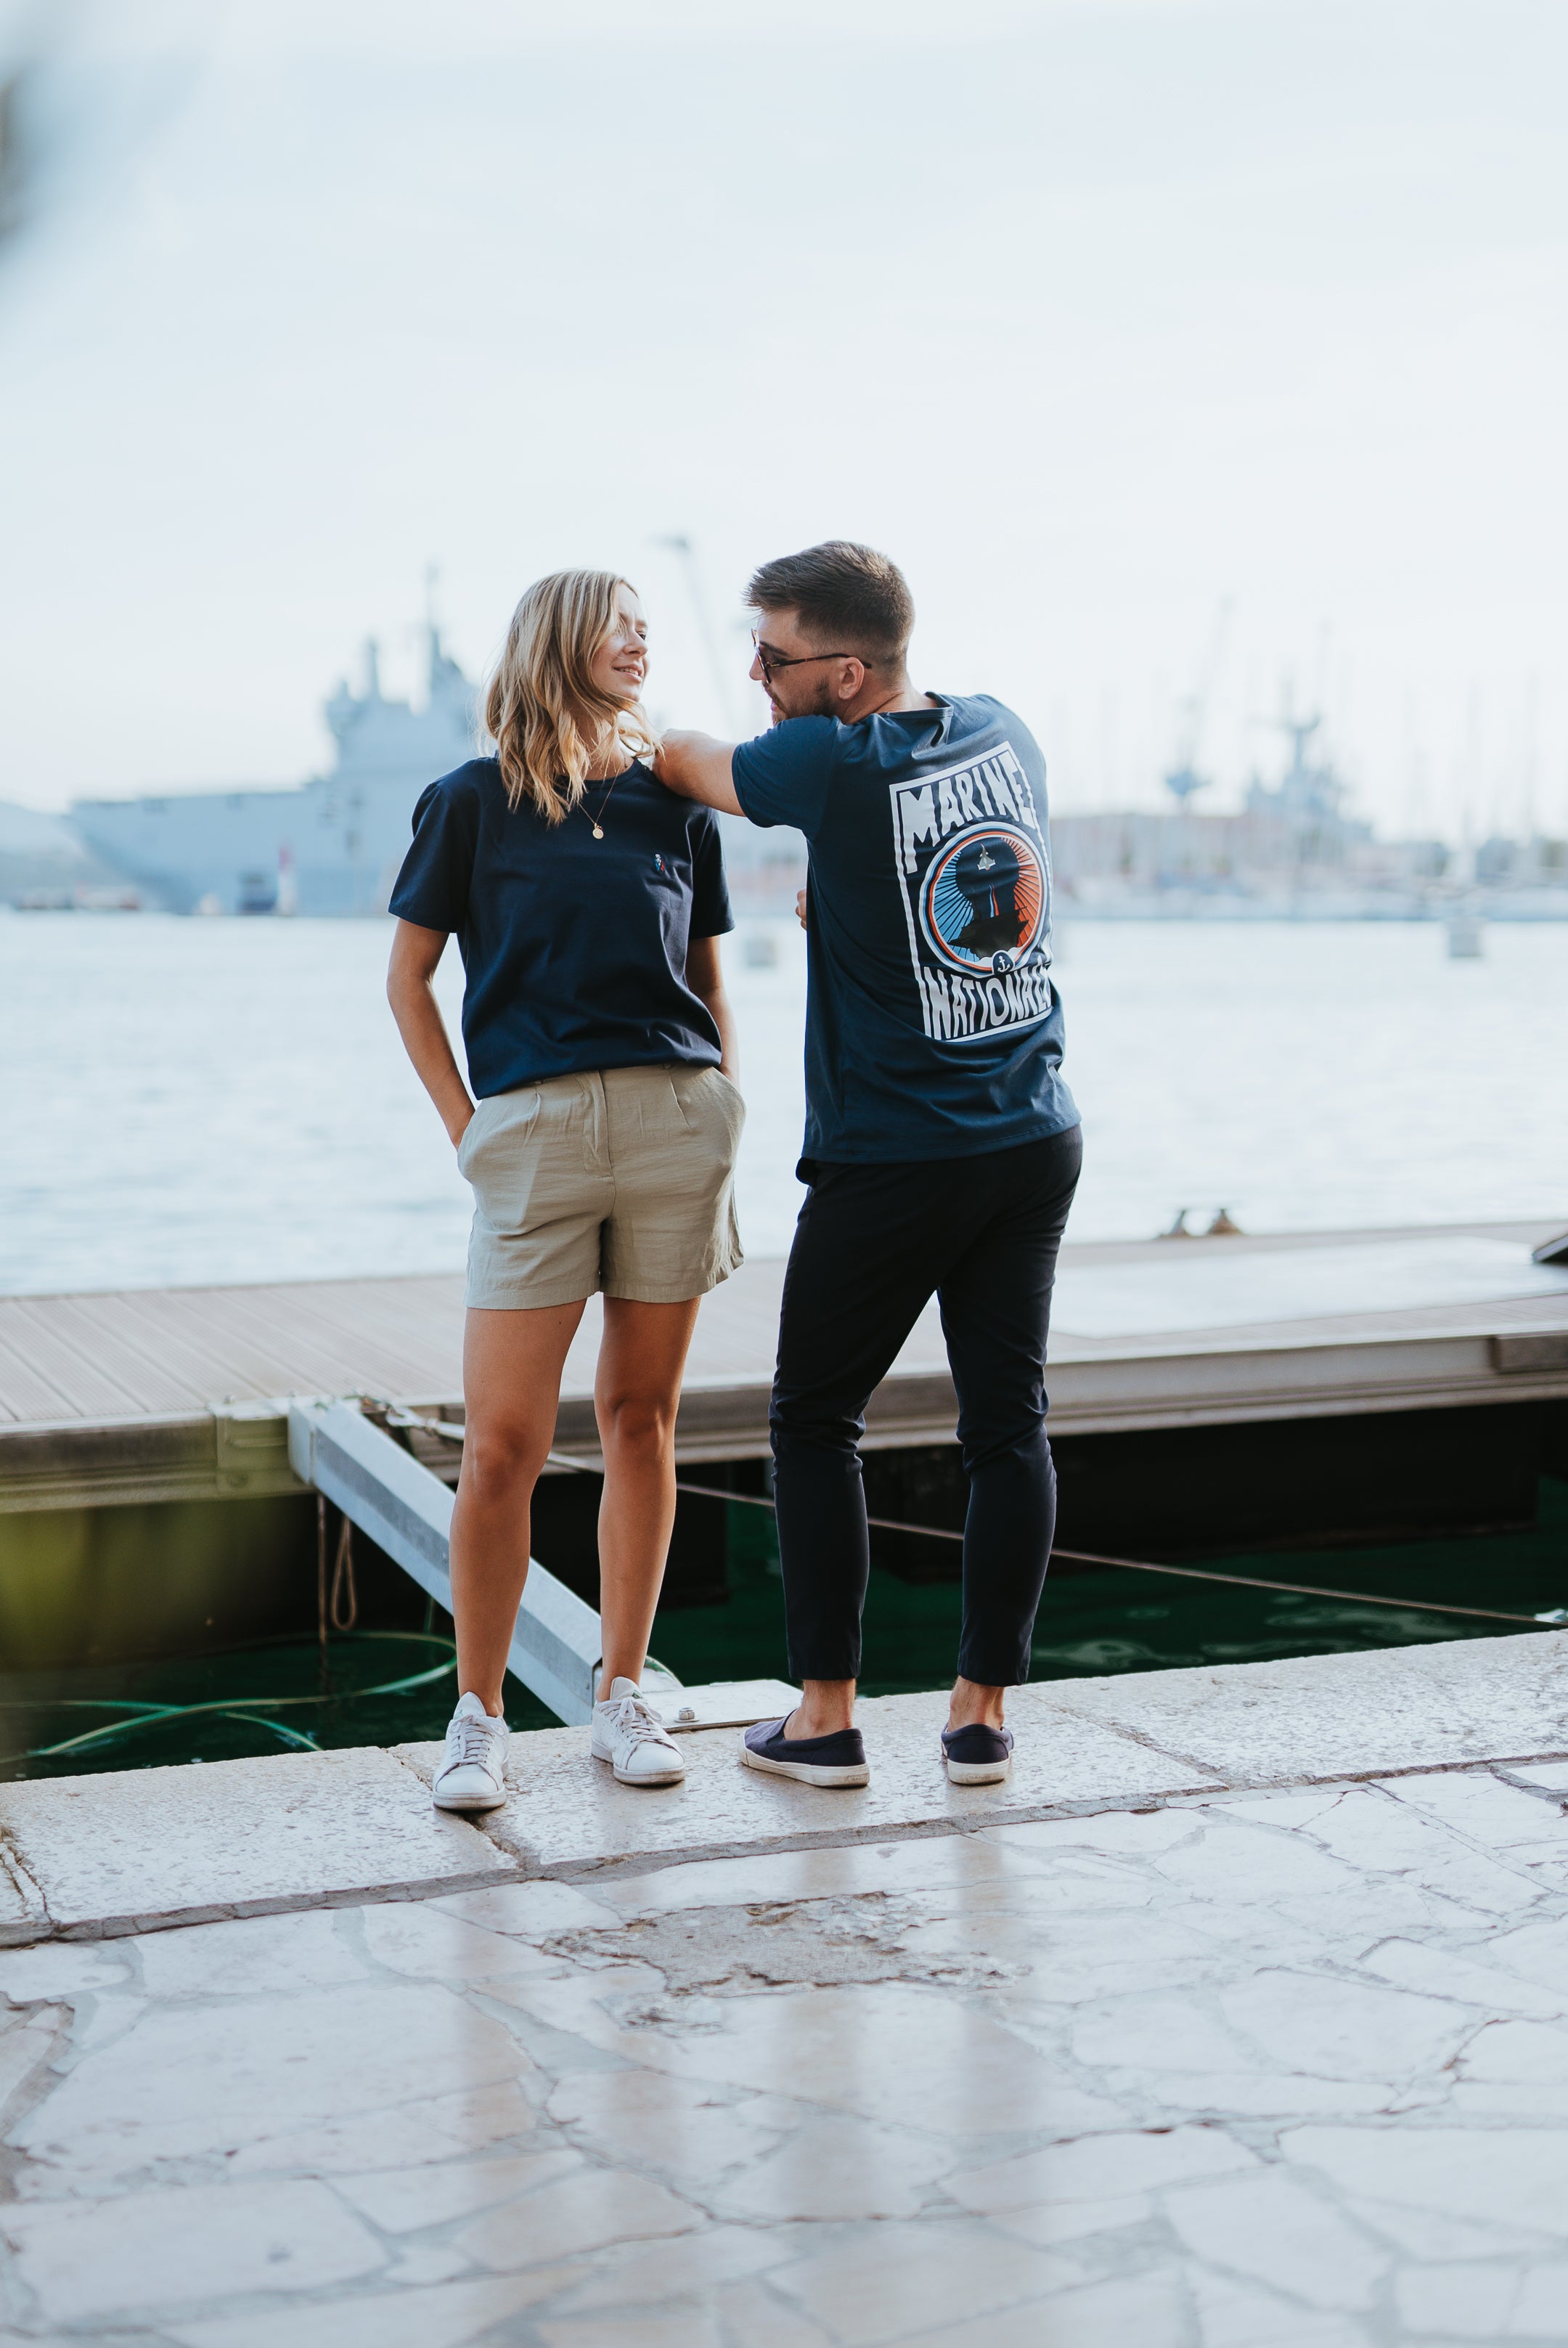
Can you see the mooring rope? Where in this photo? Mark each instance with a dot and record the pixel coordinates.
(1556, 1619)
(1186, 1572)
(341, 1609)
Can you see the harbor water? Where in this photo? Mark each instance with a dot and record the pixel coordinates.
(195, 1101)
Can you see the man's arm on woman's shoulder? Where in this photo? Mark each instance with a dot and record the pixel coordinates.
(696, 766)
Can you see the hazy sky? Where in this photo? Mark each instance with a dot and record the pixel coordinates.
(1093, 314)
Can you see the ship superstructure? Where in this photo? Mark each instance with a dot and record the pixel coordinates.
(332, 844)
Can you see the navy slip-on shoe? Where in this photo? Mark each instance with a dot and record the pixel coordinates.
(836, 1760)
(977, 1756)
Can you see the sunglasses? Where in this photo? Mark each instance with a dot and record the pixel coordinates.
(768, 660)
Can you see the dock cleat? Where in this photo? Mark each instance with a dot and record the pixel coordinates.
(629, 1734)
(836, 1760)
(472, 1775)
(977, 1756)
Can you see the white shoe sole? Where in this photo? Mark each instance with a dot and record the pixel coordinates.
(645, 1778)
(977, 1772)
(808, 1773)
(469, 1801)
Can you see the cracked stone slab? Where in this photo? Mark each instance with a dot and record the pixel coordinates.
(1316, 1718)
(22, 1915)
(567, 1814)
(734, 1949)
(132, 1849)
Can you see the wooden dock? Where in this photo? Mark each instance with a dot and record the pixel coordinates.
(181, 1393)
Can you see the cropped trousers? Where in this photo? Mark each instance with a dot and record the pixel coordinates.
(873, 1243)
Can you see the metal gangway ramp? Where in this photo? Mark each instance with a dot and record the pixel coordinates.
(354, 1462)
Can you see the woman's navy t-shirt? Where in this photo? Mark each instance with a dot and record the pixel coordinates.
(574, 948)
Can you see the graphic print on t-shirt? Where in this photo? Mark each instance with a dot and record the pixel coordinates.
(976, 878)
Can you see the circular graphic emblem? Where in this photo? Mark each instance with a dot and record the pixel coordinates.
(983, 903)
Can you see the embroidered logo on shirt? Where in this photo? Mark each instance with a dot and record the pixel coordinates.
(976, 880)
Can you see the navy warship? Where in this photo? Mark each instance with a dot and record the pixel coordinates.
(329, 846)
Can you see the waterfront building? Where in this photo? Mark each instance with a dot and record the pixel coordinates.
(1292, 848)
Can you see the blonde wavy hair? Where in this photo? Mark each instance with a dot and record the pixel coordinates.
(549, 721)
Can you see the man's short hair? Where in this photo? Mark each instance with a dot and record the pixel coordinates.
(850, 596)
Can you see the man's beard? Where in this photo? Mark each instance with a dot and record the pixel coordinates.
(820, 704)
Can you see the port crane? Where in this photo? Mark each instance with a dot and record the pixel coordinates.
(1184, 778)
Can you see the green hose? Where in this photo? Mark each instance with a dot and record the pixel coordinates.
(240, 1708)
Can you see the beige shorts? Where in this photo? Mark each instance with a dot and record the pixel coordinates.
(620, 1178)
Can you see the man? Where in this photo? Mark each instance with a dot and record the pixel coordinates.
(941, 1143)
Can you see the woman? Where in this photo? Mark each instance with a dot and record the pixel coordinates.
(588, 902)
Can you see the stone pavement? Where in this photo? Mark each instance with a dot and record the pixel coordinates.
(1217, 2067)
(120, 1853)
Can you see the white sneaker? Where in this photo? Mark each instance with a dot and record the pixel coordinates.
(472, 1776)
(633, 1738)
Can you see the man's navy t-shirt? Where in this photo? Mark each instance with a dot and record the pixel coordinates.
(574, 948)
(933, 1029)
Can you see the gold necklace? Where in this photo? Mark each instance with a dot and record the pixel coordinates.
(596, 823)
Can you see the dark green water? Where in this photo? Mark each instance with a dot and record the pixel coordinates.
(379, 1687)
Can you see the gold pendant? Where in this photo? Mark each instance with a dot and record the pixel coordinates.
(597, 832)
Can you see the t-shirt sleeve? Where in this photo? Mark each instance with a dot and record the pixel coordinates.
(433, 887)
(786, 774)
(710, 914)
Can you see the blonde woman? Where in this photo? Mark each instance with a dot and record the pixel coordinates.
(588, 902)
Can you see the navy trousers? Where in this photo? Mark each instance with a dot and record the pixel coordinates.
(871, 1245)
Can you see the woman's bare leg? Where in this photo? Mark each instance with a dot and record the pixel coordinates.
(635, 1395)
(512, 1366)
